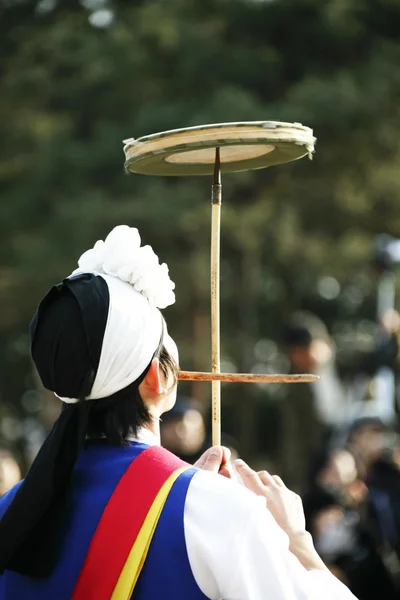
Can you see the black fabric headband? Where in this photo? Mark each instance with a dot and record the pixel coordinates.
(67, 334)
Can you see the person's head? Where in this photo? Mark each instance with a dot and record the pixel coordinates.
(368, 439)
(319, 502)
(334, 470)
(10, 472)
(99, 337)
(308, 344)
(183, 429)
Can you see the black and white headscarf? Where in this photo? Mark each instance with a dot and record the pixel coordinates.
(93, 335)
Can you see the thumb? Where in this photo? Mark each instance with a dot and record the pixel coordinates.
(211, 459)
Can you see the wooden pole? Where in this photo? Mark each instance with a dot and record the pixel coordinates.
(216, 198)
(246, 377)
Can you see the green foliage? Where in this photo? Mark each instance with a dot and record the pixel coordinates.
(71, 92)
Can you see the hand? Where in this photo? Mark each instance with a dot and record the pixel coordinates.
(285, 506)
(216, 460)
(287, 509)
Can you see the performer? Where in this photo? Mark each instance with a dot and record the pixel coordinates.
(104, 511)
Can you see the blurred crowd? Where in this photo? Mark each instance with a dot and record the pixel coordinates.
(347, 467)
(352, 509)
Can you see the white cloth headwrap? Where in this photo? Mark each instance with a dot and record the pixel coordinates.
(138, 286)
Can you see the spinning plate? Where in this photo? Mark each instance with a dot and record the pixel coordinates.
(212, 149)
(243, 146)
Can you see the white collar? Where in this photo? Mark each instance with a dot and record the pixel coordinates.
(144, 436)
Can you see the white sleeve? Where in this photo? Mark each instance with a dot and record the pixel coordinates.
(238, 552)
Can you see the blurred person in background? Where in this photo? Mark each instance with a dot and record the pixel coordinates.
(313, 414)
(337, 518)
(369, 441)
(375, 448)
(335, 471)
(10, 473)
(183, 430)
(310, 412)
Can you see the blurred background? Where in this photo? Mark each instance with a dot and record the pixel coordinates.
(309, 249)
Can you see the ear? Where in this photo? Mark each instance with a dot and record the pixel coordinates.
(152, 382)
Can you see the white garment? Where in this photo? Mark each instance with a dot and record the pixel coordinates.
(238, 552)
(331, 402)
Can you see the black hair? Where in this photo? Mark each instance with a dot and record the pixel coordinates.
(124, 413)
(318, 463)
(302, 328)
(365, 423)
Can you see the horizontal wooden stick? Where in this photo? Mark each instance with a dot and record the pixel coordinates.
(246, 377)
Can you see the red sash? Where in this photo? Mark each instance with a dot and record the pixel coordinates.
(119, 546)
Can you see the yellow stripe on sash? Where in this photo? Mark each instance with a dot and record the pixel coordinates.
(137, 556)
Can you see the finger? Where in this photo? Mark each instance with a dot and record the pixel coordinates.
(250, 478)
(267, 478)
(226, 455)
(201, 461)
(211, 459)
(226, 471)
(278, 480)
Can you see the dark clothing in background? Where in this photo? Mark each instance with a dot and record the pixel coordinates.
(311, 413)
(383, 482)
(302, 435)
(367, 576)
(353, 550)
